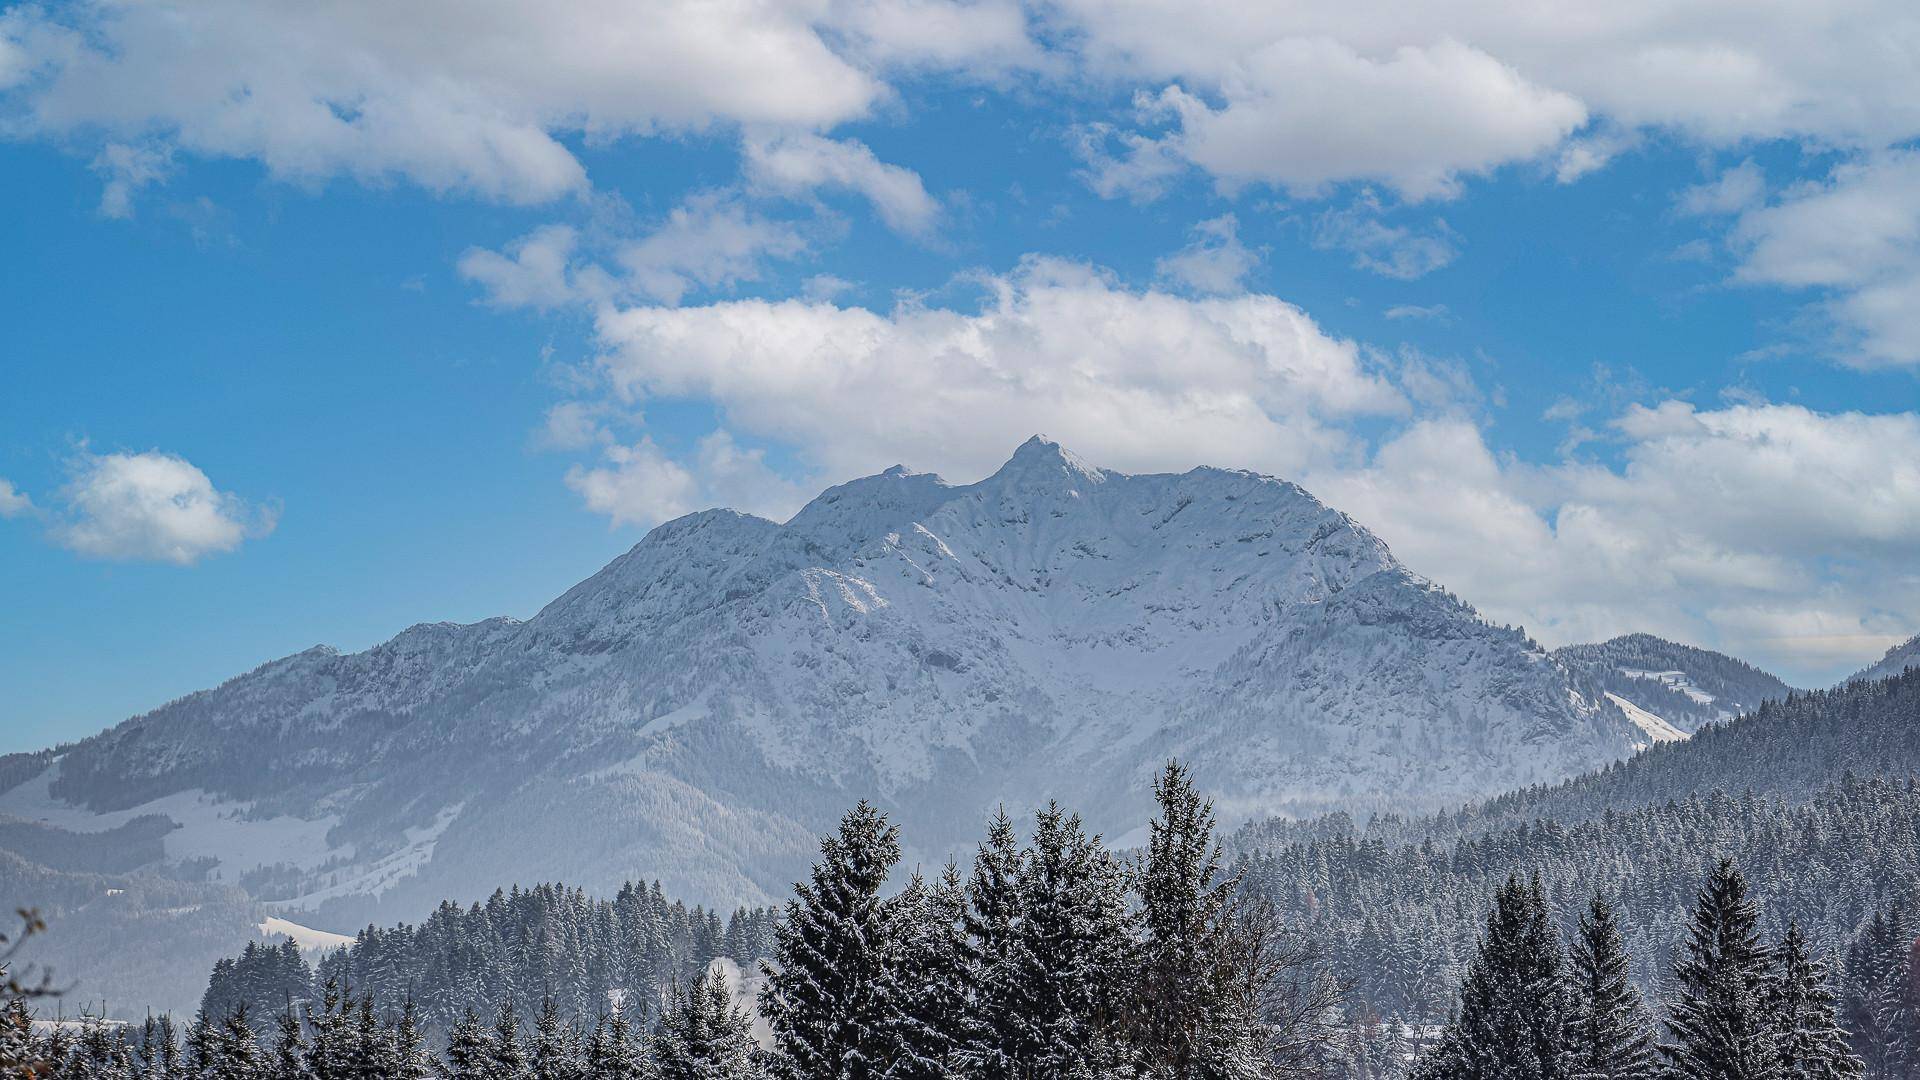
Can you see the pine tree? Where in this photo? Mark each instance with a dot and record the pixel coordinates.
(926, 982)
(1511, 1021)
(995, 943)
(1608, 1035)
(614, 1051)
(554, 1055)
(702, 1036)
(1187, 1019)
(469, 1052)
(1071, 968)
(506, 1060)
(823, 996)
(290, 1049)
(1719, 1022)
(1806, 1025)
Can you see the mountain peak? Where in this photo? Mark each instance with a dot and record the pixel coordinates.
(1040, 458)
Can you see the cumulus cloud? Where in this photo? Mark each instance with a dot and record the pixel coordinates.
(1785, 535)
(378, 91)
(797, 164)
(1303, 113)
(1855, 237)
(1782, 71)
(1131, 377)
(153, 507)
(1215, 262)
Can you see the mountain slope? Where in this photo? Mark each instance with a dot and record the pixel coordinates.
(700, 708)
(1898, 659)
(1663, 684)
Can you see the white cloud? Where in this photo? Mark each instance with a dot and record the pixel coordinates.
(535, 272)
(641, 485)
(1395, 251)
(710, 241)
(127, 169)
(1435, 312)
(1129, 377)
(1734, 191)
(377, 90)
(1339, 86)
(713, 240)
(13, 502)
(1784, 535)
(1215, 262)
(798, 164)
(1857, 236)
(151, 506)
(1303, 113)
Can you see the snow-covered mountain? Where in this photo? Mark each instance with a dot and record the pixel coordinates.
(1898, 659)
(1670, 690)
(703, 706)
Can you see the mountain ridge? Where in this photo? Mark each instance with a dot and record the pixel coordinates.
(715, 694)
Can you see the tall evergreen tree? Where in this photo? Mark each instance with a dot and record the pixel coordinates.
(1187, 1020)
(927, 981)
(995, 944)
(1608, 1033)
(1070, 978)
(1719, 1022)
(506, 1058)
(824, 996)
(1806, 1024)
(1511, 1021)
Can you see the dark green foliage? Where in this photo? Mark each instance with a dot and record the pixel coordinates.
(1806, 1026)
(824, 995)
(1721, 1020)
(1511, 1023)
(1608, 1034)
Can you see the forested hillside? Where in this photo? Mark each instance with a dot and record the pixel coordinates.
(526, 946)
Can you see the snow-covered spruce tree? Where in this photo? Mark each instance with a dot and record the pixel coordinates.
(1071, 971)
(1187, 1021)
(235, 1049)
(1880, 995)
(615, 1051)
(329, 1036)
(1719, 1021)
(927, 981)
(410, 1058)
(1806, 1024)
(468, 1049)
(993, 925)
(506, 1059)
(1609, 1036)
(1511, 1019)
(290, 1049)
(702, 1036)
(824, 996)
(555, 1051)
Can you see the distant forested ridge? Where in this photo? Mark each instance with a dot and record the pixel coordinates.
(525, 946)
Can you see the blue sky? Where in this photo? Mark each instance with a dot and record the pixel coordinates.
(321, 324)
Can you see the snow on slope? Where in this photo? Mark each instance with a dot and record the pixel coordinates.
(1656, 728)
(1898, 659)
(306, 937)
(706, 704)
